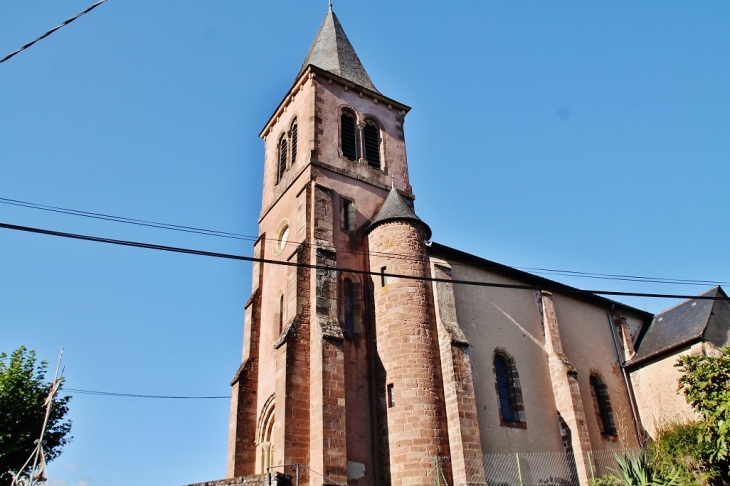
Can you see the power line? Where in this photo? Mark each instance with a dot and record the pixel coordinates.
(189, 251)
(52, 31)
(122, 219)
(238, 236)
(132, 395)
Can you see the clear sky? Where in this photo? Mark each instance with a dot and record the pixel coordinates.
(587, 136)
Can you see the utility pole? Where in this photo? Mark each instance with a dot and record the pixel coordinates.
(37, 476)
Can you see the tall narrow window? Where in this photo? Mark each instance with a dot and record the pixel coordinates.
(347, 215)
(348, 136)
(282, 155)
(348, 292)
(506, 389)
(391, 395)
(293, 137)
(350, 309)
(602, 404)
(279, 314)
(371, 134)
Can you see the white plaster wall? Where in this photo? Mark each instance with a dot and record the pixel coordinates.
(655, 388)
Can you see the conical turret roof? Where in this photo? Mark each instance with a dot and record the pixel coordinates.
(395, 208)
(332, 51)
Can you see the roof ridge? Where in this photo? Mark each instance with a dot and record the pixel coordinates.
(686, 301)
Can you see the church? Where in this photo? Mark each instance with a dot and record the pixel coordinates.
(373, 355)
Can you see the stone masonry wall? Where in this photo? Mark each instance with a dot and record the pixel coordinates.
(461, 409)
(566, 390)
(406, 340)
(244, 392)
(328, 449)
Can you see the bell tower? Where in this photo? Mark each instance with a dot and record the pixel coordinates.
(311, 388)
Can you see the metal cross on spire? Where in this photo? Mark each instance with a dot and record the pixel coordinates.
(392, 181)
(330, 4)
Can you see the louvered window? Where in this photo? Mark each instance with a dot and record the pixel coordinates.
(349, 136)
(282, 155)
(506, 389)
(293, 142)
(603, 405)
(371, 134)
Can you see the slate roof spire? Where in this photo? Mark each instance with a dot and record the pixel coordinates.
(332, 51)
(395, 208)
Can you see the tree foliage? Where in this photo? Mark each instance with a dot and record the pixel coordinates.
(23, 392)
(706, 386)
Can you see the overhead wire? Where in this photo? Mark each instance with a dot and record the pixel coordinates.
(292, 244)
(555, 287)
(133, 395)
(89, 9)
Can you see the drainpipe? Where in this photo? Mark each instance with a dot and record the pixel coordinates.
(627, 382)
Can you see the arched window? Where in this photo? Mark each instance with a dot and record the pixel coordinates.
(293, 137)
(371, 135)
(509, 399)
(602, 404)
(265, 436)
(351, 305)
(348, 139)
(283, 146)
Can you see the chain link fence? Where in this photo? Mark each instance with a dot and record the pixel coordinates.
(541, 468)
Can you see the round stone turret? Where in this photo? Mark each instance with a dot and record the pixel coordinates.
(406, 343)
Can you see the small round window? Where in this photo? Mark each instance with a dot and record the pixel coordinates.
(283, 238)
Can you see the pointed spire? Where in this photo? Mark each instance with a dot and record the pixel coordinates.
(395, 208)
(332, 51)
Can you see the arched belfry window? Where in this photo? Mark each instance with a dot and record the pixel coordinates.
(351, 305)
(507, 384)
(348, 135)
(283, 149)
(293, 138)
(371, 142)
(602, 404)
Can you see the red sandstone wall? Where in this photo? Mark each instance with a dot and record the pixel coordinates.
(407, 348)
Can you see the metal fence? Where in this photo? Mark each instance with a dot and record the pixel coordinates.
(542, 468)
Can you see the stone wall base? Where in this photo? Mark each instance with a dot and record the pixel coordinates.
(238, 481)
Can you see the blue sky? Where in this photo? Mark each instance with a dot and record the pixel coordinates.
(588, 136)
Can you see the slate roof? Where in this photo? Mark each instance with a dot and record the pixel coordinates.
(675, 327)
(452, 254)
(395, 208)
(332, 51)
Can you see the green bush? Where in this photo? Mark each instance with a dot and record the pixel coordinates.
(636, 470)
(678, 449)
(608, 480)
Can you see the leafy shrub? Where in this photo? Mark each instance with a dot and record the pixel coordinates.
(608, 480)
(677, 448)
(636, 470)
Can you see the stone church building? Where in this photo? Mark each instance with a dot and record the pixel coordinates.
(367, 375)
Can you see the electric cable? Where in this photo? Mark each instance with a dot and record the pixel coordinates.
(238, 236)
(133, 395)
(52, 31)
(555, 287)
